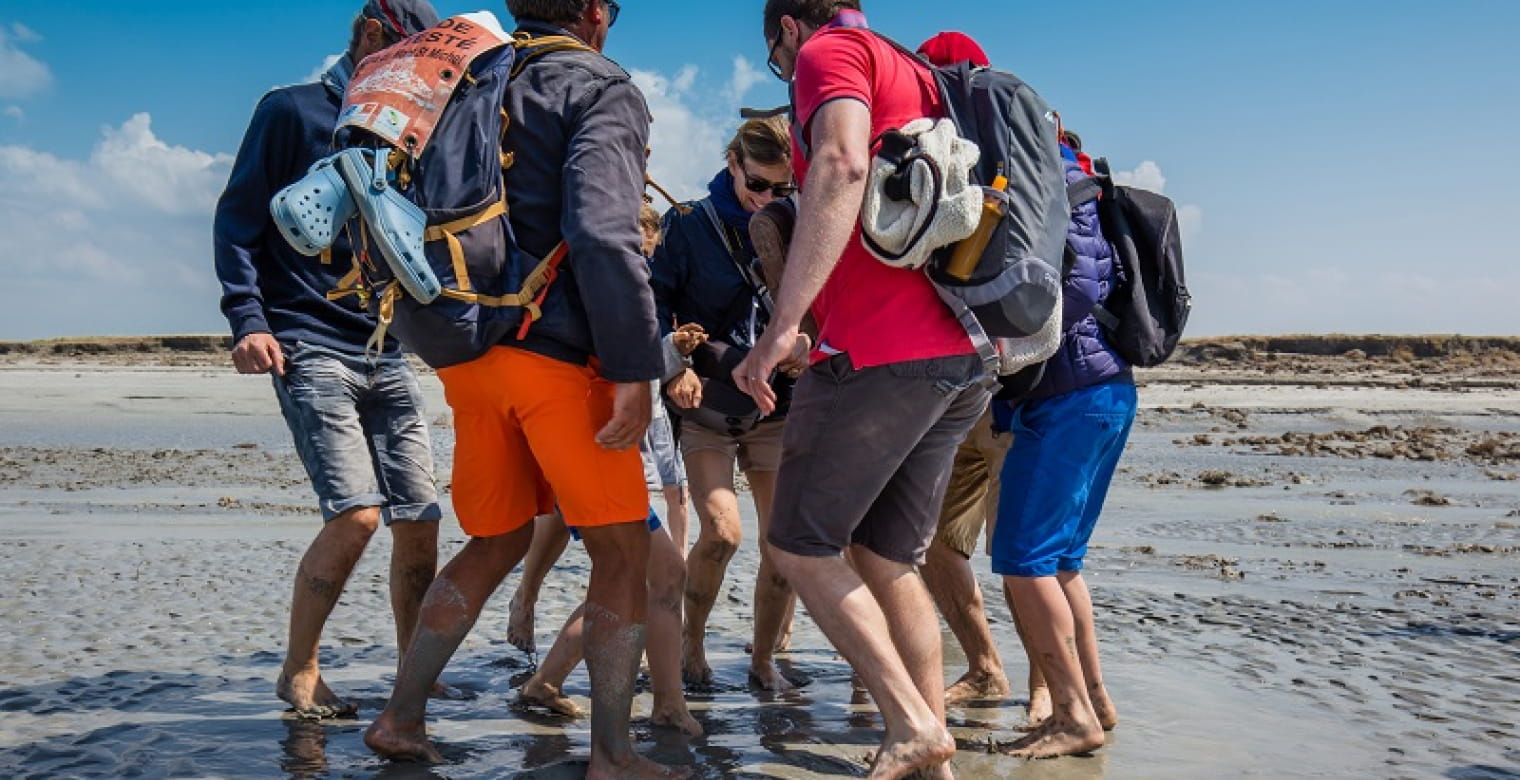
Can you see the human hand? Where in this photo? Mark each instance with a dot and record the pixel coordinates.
(631, 408)
(688, 337)
(258, 353)
(685, 390)
(752, 375)
(797, 362)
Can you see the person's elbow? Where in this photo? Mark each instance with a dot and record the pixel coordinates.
(841, 164)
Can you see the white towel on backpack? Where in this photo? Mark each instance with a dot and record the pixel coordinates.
(892, 224)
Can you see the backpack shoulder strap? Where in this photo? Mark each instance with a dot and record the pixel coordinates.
(735, 246)
(531, 47)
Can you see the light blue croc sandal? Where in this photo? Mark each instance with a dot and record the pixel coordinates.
(311, 211)
(395, 224)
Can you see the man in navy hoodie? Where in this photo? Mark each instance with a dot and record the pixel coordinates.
(357, 420)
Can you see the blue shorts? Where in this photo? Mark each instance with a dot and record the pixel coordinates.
(1056, 477)
(653, 521)
(358, 425)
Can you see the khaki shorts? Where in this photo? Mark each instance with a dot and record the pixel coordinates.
(758, 449)
(971, 500)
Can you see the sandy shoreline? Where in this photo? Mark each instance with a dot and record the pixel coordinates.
(1266, 607)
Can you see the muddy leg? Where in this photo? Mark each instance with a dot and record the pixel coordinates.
(323, 572)
(712, 482)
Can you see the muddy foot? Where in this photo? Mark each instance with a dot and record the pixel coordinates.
(1054, 739)
(978, 686)
(678, 717)
(900, 759)
(636, 767)
(520, 624)
(547, 697)
(694, 669)
(400, 743)
(1039, 708)
(767, 677)
(1103, 708)
(310, 698)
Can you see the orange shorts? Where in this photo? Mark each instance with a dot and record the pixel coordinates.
(525, 440)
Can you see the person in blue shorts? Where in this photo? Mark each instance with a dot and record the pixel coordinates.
(1068, 435)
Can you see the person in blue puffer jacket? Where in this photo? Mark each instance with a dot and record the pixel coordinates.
(1068, 435)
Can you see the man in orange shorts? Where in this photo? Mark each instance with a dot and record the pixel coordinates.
(554, 416)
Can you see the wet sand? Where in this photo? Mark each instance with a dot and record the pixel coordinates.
(1299, 574)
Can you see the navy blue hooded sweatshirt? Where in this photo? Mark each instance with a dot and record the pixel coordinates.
(268, 287)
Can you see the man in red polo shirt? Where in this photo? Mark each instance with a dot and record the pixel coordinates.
(894, 386)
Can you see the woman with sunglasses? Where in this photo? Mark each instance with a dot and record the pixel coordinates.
(705, 272)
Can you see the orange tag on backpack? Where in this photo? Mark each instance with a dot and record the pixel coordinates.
(399, 93)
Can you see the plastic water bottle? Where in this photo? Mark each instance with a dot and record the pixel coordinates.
(969, 250)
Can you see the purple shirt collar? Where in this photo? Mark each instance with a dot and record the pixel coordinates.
(849, 19)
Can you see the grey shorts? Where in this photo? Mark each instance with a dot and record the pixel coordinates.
(358, 425)
(663, 467)
(866, 455)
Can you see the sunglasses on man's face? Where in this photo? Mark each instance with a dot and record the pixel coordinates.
(756, 184)
(770, 58)
(613, 9)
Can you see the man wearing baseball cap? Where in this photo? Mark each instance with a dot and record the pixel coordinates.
(358, 424)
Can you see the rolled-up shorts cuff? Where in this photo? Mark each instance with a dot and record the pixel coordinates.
(412, 513)
(1046, 568)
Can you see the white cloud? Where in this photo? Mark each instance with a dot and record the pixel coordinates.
(686, 142)
(21, 75)
(1145, 176)
(327, 62)
(24, 34)
(15, 112)
(115, 242)
(745, 77)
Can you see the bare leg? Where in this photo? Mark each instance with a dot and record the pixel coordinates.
(1072, 728)
(450, 608)
(952, 584)
(1039, 692)
(414, 562)
(850, 616)
(546, 687)
(774, 598)
(712, 484)
(616, 609)
(676, 518)
(667, 584)
(550, 537)
(1087, 647)
(323, 572)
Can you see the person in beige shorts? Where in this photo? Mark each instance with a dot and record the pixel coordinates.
(969, 512)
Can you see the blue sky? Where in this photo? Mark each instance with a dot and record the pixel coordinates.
(1341, 166)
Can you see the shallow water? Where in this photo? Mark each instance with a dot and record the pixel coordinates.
(1318, 625)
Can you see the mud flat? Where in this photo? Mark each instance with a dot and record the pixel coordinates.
(1308, 571)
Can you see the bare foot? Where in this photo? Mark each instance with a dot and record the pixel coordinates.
(978, 686)
(1039, 707)
(694, 668)
(636, 767)
(1103, 707)
(767, 677)
(547, 697)
(902, 758)
(442, 691)
(310, 698)
(676, 716)
(400, 743)
(520, 624)
(1057, 737)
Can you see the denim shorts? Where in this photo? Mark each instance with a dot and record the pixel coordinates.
(1056, 476)
(663, 466)
(358, 425)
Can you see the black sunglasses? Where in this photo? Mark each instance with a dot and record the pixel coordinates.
(613, 9)
(770, 58)
(754, 183)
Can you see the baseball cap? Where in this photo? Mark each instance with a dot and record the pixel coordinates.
(949, 48)
(402, 18)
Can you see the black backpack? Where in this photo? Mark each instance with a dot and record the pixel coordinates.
(1144, 318)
